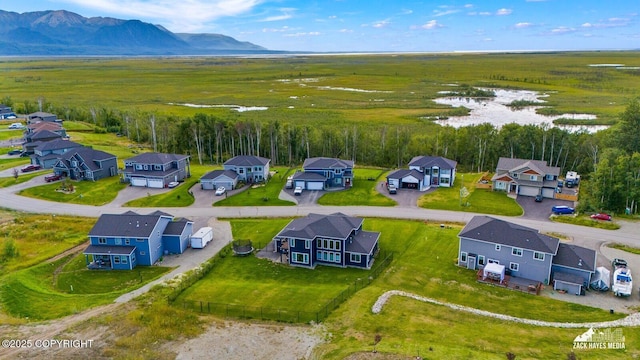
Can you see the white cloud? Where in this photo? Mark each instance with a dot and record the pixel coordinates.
(586, 25)
(433, 24)
(468, 6)
(438, 13)
(484, 13)
(523, 25)
(562, 30)
(381, 24)
(286, 14)
(504, 11)
(303, 34)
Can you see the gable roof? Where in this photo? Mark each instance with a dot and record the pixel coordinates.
(156, 158)
(364, 242)
(326, 163)
(87, 155)
(403, 173)
(337, 226)
(211, 175)
(513, 164)
(247, 160)
(431, 161)
(44, 134)
(308, 176)
(44, 125)
(57, 144)
(176, 227)
(492, 230)
(128, 224)
(575, 257)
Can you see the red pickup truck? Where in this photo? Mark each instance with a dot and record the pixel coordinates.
(52, 177)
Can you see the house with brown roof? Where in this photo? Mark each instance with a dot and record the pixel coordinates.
(526, 177)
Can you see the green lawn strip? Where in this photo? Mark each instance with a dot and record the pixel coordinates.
(363, 192)
(13, 162)
(478, 201)
(585, 220)
(40, 237)
(10, 181)
(261, 194)
(627, 248)
(7, 134)
(31, 292)
(86, 192)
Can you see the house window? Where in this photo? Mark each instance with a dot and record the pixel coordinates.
(463, 257)
(300, 258)
(292, 243)
(127, 241)
(498, 247)
(241, 171)
(133, 257)
(514, 266)
(355, 258)
(331, 257)
(138, 166)
(492, 261)
(516, 251)
(534, 178)
(338, 245)
(337, 171)
(331, 244)
(319, 255)
(157, 167)
(515, 175)
(538, 255)
(118, 241)
(307, 244)
(102, 241)
(481, 260)
(145, 166)
(319, 243)
(444, 180)
(116, 259)
(124, 260)
(337, 257)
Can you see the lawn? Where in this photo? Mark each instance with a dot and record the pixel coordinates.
(13, 162)
(627, 248)
(261, 194)
(23, 177)
(95, 193)
(585, 220)
(53, 290)
(363, 191)
(478, 200)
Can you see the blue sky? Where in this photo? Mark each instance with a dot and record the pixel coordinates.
(374, 25)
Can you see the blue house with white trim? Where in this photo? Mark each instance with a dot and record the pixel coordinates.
(333, 240)
(321, 173)
(124, 241)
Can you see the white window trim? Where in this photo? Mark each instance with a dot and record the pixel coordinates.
(537, 252)
(463, 257)
(511, 266)
(305, 258)
(514, 251)
(498, 247)
(481, 260)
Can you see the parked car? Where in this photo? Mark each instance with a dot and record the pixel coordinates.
(289, 184)
(30, 167)
(220, 191)
(560, 183)
(15, 152)
(173, 184)
(562, 209)
(618, 263)
(297, 190)
(16, 126)
(392, 189)
(539, 198)
(52, 177)
(601, 216)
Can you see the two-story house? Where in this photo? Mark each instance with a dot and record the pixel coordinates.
(320, 173)
(425, 172)
(35, 139)
(156, 170)
(40, 116)
(526, 253)
(526, 177)
(250, 169)
(47, 154)
(124, 241)
(333, 240)
(6, 112)
(85, 163)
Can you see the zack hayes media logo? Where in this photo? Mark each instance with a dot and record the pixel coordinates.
(603, 339)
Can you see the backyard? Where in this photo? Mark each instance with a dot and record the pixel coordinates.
(363, 191)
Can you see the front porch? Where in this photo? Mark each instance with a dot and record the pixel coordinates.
(511, 282)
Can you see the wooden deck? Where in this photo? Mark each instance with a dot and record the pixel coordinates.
(513, 283)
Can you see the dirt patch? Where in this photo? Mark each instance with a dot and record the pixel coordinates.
(237, 340)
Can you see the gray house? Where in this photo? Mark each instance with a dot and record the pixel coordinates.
(219, 178)
(156, 170)
(41, 116)
(526, 177)
(85, 163)
(572, 268)
(249, 168)
(523, 251)
(46, 154)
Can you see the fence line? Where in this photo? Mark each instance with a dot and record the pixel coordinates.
(274, 314)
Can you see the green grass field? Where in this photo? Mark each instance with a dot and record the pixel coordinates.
(261, 194)
(585, 220)
(363, 192)
(479, 200)
(95, 193)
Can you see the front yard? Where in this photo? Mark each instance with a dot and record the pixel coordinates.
(363, 192)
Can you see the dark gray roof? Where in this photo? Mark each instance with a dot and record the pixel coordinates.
(87, 156)
(57, 144)
(109, 250)
(575, 257)
(431, 161)
(492, 230)
(364, 242)
(156, 158)
(125, 225)
(247, 160)
(211, 175)
(511, 164)
(326, 163)
(45, 134)
(568, 278)
(336, 226)
(176, 227)
(309, 176)
(402, 173)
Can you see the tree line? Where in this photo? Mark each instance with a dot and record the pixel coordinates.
(607, 160)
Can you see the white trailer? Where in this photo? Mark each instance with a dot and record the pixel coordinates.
(201, 238)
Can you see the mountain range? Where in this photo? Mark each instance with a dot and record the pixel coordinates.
(60, 32)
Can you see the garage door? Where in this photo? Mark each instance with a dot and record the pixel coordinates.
(225, 184)
(528, 191)
(394, 182)
(315, 185)
(299, 183)
(155, 183)
(138, 181)
(548, 193)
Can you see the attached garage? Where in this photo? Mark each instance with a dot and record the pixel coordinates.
(155, 183)
(309, 180)
(219, 178)
(299, 183)
(138, 181)
(315, 185)
(528, 190)
(548, 193)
